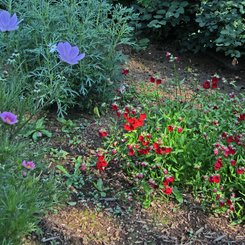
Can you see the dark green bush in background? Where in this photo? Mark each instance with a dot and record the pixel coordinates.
(197, 25)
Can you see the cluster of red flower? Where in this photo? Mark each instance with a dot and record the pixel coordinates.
(213, 84)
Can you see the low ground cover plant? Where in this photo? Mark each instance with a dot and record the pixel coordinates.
(174, 144)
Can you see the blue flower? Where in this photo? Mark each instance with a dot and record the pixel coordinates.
(8, 23)
(69, 54)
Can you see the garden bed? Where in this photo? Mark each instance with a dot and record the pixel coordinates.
(113, 219)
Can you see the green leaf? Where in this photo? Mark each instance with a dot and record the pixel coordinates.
(178, 195)
(63, 170)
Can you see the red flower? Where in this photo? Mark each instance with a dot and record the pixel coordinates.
(230, 139)
(141, 138)
(158, 81)
(131, 152)
(119, 113)
(152, 79)
(144, 151)
(102, 133)
(180, 129)
(206, 84)
(170, 128)
(167, 190)
(134, 123)
(229, 202)
(170, 179)
(114, 107)
(125, 72)
(240, 170)
(222, 204)
(214, 80)
(233, 162)
(218, 164)
(241, 117)
(214, 179)
(101, 163)
(145, 143)
(168, 150)
(224, 134)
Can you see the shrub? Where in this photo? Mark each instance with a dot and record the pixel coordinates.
(198, 25)
(95, 27)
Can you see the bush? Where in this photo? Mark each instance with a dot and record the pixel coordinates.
(95, 27)
(198, 25)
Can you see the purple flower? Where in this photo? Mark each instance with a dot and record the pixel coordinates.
(28, 165)
(8, 117)
(8, 22)
(69, 54)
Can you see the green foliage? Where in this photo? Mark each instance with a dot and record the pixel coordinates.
(23, 201)
(96, 27)
(222, 25)
(38, 131)
(194, 140)
(198, 25)
(25, 194)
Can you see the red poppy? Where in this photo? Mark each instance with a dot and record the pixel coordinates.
(214, 80)
(206, 84)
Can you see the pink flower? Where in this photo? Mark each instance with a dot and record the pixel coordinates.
(8, 117)
(216, 151)
(28, 165)
(180, 129)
